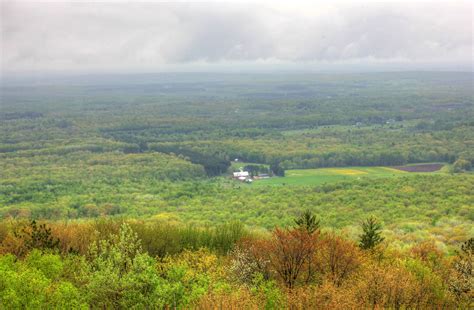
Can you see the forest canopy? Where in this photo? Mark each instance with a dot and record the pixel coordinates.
(119, 193)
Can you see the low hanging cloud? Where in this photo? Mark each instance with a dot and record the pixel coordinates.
(119, 36)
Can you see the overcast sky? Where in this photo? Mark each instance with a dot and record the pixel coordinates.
(153, 36)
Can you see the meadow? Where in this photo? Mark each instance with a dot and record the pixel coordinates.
(329, 175)
(323, 176)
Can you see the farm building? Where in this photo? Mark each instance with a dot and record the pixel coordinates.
(241, 175)
(263, 176)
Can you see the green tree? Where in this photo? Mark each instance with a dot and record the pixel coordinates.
(120, 275)
(36, 283)
(37, 237)
(372, 234)
(111, 263)
(461, 165)
(308, 221)
(277, 169)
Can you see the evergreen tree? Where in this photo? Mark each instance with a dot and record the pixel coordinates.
(461, 283)
(277, 169)
(372, 234)
(308, 222)
(37, 237)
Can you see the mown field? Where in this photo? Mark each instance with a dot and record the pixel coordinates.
(330, 175)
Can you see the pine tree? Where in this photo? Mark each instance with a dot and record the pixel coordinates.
(308, 222)
(372, 234)
(37, 237)
(461, 283)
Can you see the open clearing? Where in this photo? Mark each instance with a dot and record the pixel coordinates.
(330, 175)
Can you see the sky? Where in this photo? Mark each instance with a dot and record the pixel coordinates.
(119, 36)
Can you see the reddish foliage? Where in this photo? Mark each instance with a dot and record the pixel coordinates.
(290, 251)
(337, 258)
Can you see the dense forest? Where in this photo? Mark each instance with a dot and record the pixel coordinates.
(394, 118)
(116, 191)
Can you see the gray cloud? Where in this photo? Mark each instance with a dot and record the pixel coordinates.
(74, 36)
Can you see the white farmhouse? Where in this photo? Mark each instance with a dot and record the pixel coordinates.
(241, 175)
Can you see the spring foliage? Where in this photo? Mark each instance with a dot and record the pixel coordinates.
(286, 268)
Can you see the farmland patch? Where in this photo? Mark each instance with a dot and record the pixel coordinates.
(420, 167)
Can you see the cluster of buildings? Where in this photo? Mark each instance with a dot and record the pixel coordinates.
(244, 176)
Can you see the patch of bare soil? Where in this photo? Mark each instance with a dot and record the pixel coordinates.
(420, 168)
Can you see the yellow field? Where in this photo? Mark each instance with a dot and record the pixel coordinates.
(346, 171)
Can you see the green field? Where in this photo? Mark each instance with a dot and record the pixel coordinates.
(327, 175)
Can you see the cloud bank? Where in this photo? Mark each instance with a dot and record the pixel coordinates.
(119, 36)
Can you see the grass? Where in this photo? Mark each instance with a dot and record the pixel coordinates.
(329, 175)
